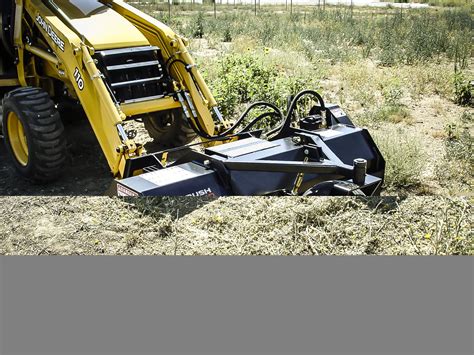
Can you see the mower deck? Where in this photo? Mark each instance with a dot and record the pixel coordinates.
(316, 161)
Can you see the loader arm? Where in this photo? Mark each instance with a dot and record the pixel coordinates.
(68, 57)
(174, 50)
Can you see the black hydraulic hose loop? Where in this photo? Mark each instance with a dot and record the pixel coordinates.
(244, 116)
(247, 111)
(287, 122)
(200, 131)
(257, 119)
(299, 96)
(170, 58)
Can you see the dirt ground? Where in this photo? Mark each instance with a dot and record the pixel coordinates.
(235, 226)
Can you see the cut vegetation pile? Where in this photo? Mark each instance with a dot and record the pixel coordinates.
(416, 225)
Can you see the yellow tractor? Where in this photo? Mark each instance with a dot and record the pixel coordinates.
(125, 66)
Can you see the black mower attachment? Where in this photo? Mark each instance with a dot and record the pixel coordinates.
(322, 154)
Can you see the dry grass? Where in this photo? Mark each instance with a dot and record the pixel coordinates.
(236, 226)
(404, 155)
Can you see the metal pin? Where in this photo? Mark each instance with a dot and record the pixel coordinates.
(360, 169)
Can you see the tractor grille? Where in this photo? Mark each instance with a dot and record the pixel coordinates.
(134, 74)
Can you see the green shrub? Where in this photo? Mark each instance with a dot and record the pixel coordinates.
(460, 147)
(227, 35)
(459, 140)
(393, 110)
(246, 78)
(197, 26)
(394, 114)
(385, 113)
(463, 90)
(467, 117)
(392, 95)
(242, 78)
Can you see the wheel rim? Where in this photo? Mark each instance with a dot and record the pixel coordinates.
(162, 123)
(17, 138)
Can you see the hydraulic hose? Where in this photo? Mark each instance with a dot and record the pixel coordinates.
(287, 122)
(257, 119)
(299, 96)
(244, 115)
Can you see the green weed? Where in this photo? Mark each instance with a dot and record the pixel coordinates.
(197, 26)
(463, 90)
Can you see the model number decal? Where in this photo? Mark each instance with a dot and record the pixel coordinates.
(49, 30)
(78, 78)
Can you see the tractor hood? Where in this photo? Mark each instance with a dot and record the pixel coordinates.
(102, 27)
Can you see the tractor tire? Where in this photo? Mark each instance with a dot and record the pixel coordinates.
(169, 129)
(34, 134)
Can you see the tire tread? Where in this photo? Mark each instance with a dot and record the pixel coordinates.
(45, 133)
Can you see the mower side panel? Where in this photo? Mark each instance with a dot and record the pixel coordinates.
(184, 180)
(352, 143)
